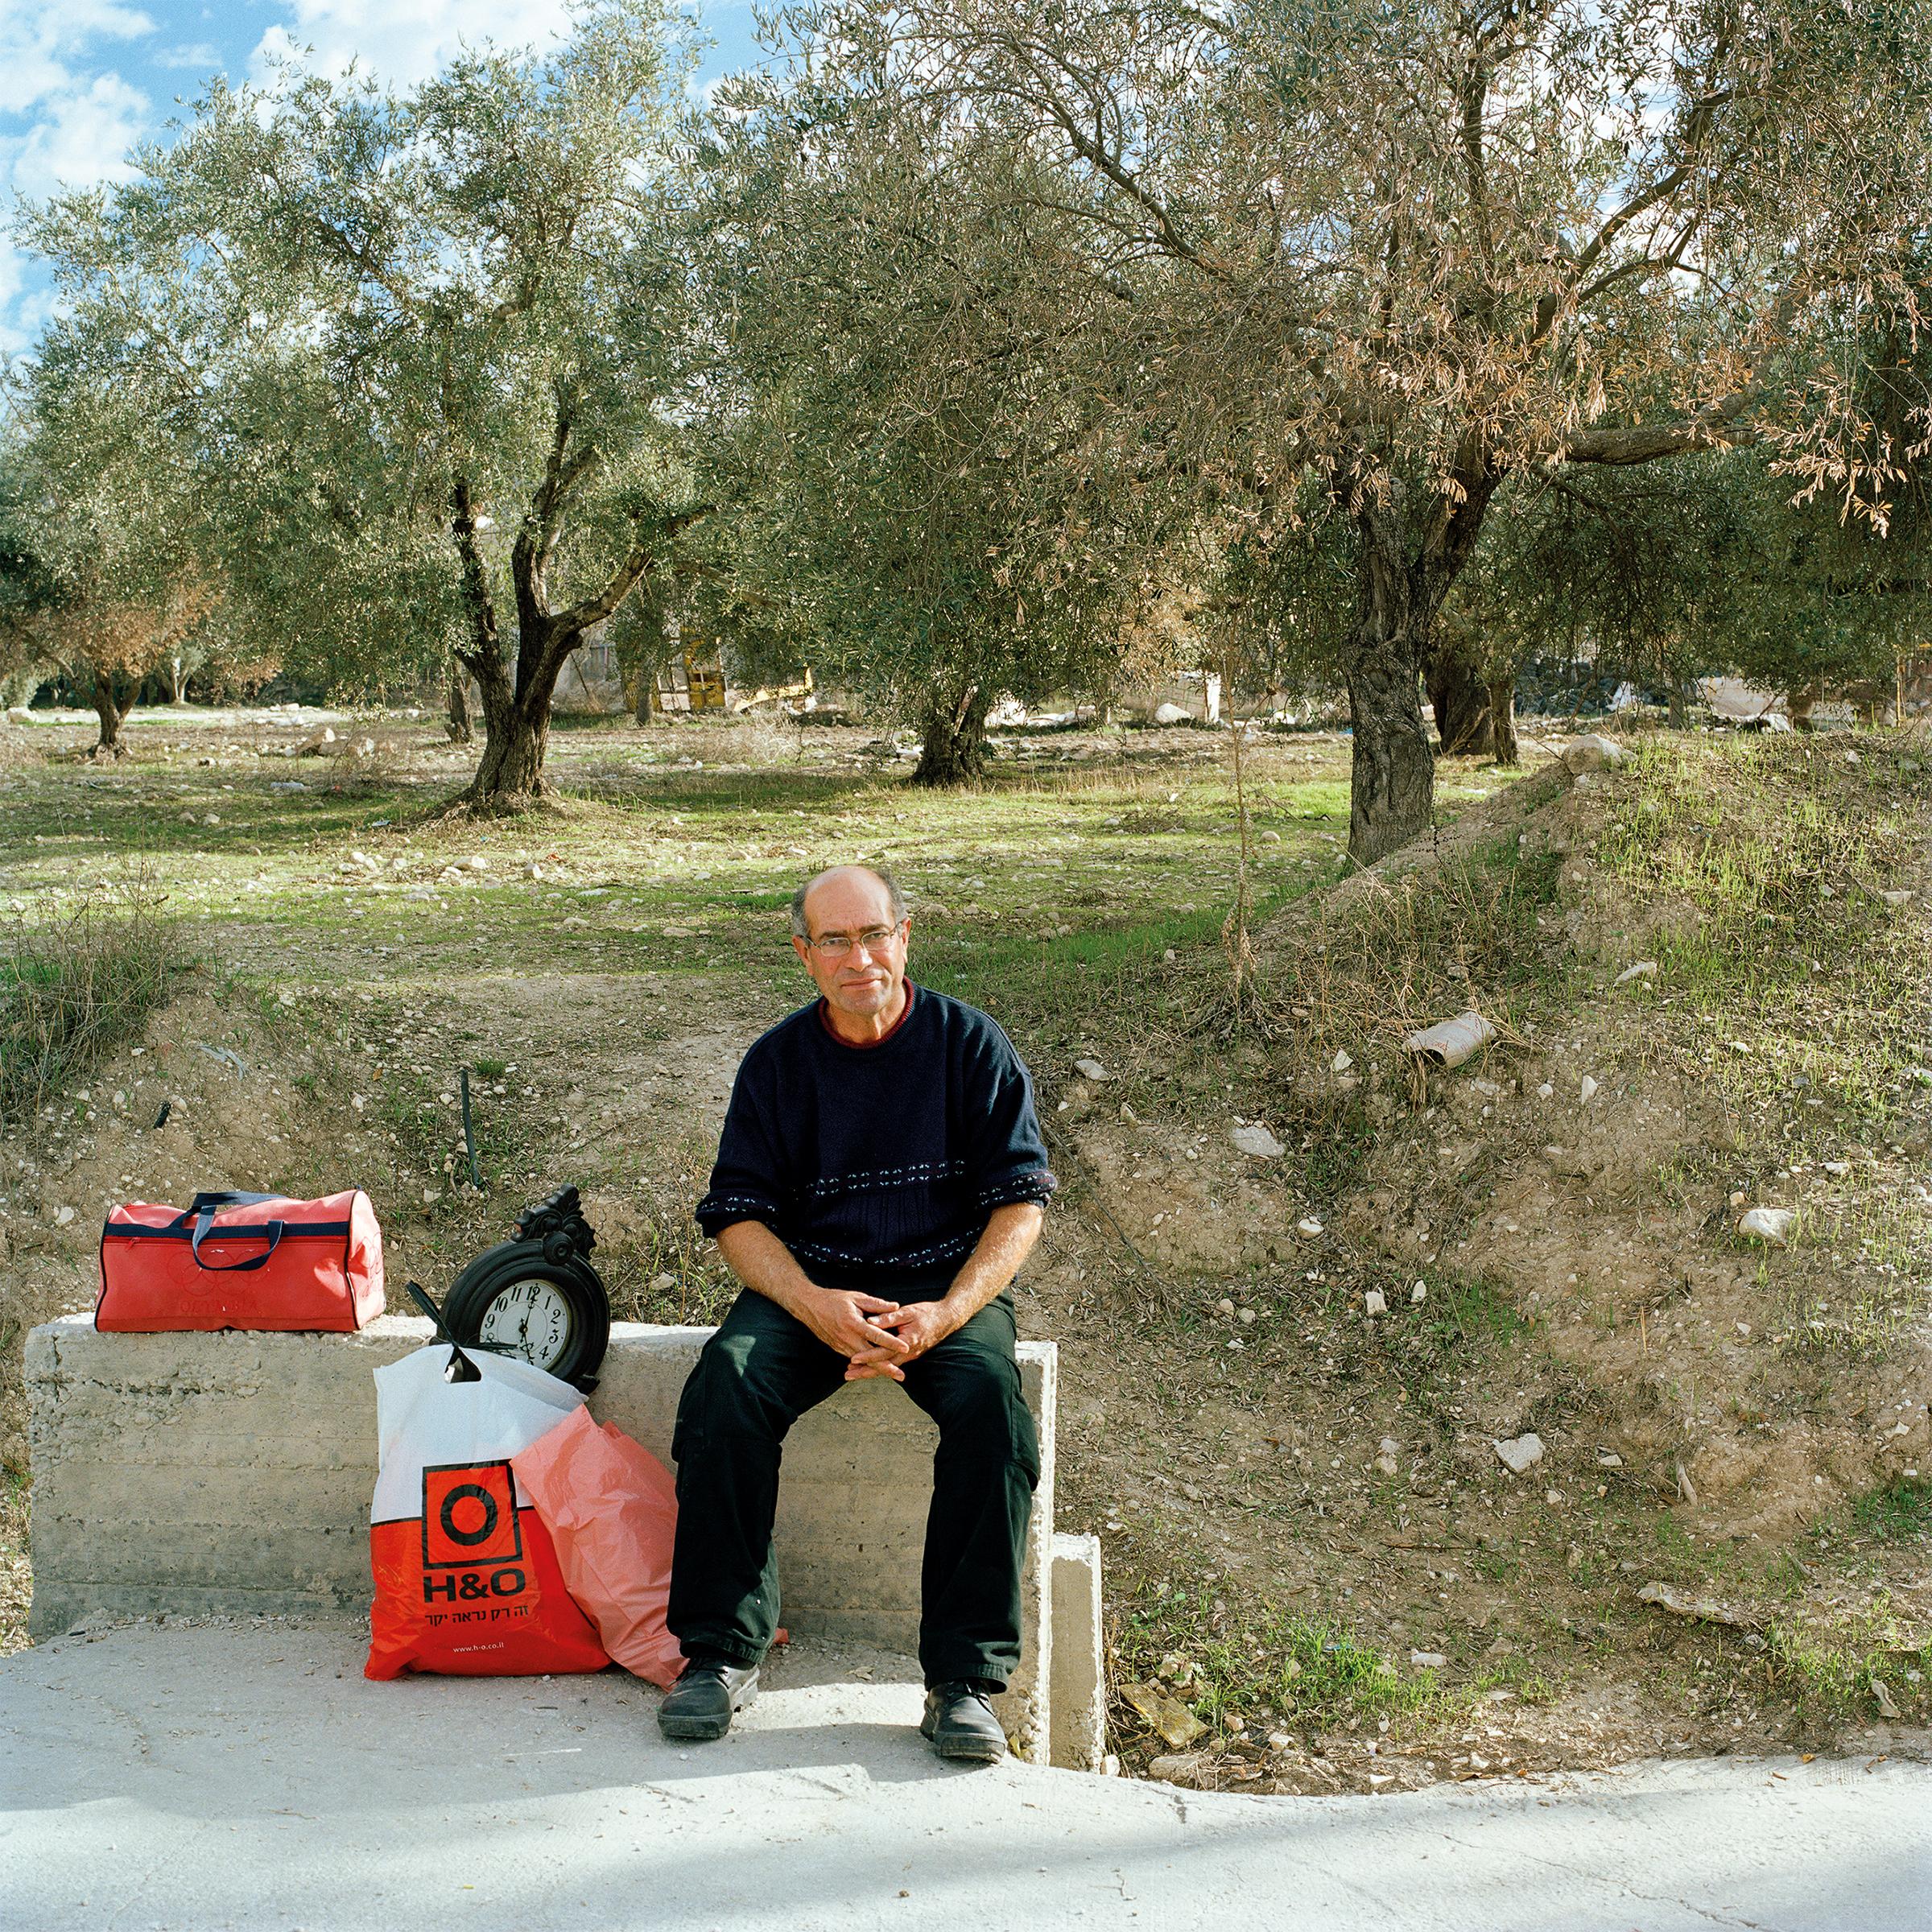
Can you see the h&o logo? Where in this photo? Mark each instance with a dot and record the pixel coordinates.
(470, 1524)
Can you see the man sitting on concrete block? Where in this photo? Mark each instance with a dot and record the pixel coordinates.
(879, 1183)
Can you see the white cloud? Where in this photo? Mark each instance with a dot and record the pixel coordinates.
(202, 57)
(40, 41)
(81, 120)
(406, 43)
(78, 138)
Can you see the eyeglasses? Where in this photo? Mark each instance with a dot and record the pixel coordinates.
(874, 938)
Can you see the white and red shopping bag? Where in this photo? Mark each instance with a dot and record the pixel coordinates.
(466, 1577)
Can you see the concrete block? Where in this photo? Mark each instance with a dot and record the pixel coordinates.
(1077, 1706)
(190, 1475)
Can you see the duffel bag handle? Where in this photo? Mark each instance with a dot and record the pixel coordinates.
(204, 1226)
(226, 1197)
(215, 1200)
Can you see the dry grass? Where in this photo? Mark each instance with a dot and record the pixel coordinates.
(73, 987)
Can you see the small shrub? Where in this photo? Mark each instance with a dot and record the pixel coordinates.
(74, 988)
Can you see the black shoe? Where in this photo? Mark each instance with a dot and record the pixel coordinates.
(700, 1705)
(959, 1722)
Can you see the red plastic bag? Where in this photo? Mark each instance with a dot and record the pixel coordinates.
(612, 1511)
(467, 1581)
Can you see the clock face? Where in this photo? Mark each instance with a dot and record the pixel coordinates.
(531, 1319)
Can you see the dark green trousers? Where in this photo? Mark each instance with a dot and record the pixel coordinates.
(756, 1375)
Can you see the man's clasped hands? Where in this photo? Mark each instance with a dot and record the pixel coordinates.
(876, 1337)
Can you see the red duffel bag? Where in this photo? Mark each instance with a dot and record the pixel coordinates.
(242, 1260)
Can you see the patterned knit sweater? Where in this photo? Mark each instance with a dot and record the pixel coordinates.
(879, 1166)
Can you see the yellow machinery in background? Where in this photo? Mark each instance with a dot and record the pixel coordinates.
(703, 676)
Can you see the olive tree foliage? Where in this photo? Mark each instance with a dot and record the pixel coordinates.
(428, 346)
(1715, 563)
(1412, 249)
(950, 509)
(1700, 567)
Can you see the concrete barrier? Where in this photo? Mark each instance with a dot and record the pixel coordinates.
(191, 1475)
(1077, 1705)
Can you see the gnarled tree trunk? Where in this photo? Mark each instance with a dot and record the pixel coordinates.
(516, 716)
(461, 730)
(1410, 549)
(1392, 775)
(1462, 720)
(1502, 721)
(954, 752)
(111, 706)
(516, 712)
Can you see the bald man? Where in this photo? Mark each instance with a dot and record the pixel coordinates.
(880, 1180)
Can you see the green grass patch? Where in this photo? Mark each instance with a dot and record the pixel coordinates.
(1829, 1670)
(1258, 1664)
(1775, 851)
(1900, 1511)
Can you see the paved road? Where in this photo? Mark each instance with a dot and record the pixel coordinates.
(248, 1776)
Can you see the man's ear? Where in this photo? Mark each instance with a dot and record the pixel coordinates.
(803, 951)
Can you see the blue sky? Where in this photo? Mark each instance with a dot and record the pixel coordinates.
(81, 82)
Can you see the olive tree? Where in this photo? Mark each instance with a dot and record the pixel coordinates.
(104, 568)
(1413, 249)
(948, 508)
(461, 310)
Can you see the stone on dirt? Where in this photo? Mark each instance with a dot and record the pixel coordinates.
(1698, 1609)
(1770, 1225)
(1520, 1452)
(1593, 752)
(1172, 714)
(1092, 1070)
(1374, 1302)
(1171, 1720)
(1256, 1139)
(1644, 969)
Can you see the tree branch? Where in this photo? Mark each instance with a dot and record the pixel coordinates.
(594, 609)
(1715, 428)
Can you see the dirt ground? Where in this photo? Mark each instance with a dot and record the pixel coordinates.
(1313, 1547)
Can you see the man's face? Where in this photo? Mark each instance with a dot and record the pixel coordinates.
(859, 978)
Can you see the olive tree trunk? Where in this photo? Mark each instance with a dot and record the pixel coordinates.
(954, 730)
(517, 694)
(1409, 548)
(1463, 723)
(461, 728)
(1502, 721)
(111, 706)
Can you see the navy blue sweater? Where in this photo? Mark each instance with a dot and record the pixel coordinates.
(879, 1166)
